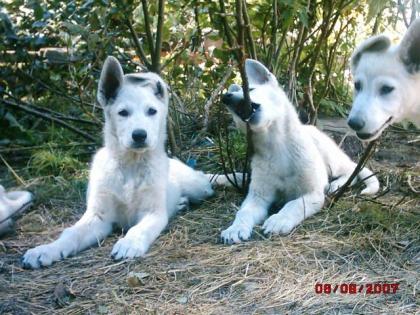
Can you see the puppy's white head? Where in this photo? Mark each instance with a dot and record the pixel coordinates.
(135, 107)
(383, 82)
(266, 97)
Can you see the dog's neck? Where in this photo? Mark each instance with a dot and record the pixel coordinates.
(285, 128)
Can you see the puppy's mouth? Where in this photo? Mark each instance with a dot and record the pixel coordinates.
(246, 113)
(374, 135)
(138, 146)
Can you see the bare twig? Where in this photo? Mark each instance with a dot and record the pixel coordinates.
(251, 45)
(51, 112)
(48, 117)
(137, 44)
(159, 31)
(18, 178)
(365, 157)
(171, 137)
(213, 96)
(147, 26)
(15, 150)
(245, 88)
(228, 33)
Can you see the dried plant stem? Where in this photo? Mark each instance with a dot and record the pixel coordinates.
(362, 162)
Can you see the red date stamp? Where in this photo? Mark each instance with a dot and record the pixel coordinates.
(353, 288)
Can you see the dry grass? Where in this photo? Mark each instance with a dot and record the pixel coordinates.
(188, 271)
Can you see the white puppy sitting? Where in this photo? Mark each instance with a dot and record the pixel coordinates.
(132, 181)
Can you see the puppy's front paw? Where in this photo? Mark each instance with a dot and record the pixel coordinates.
(128, 248)
(41, 256)
(279, 223)
(236, 233)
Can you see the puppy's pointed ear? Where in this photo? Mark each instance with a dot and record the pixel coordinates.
(110, 81)
(234, 88)
(376, 43)
(410, 48)
(257, 73)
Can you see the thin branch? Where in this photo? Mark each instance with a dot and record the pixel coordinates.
(18, 178)
(362, 162)
(172, 138)
(51, 112)
(213, 96)
(48, 117)
(139, 48)
(159, 31)
(22, 150)
(251, 45)
(401, 8)
(273, 38)
(245, 87)
(226, 27)
(147, 26)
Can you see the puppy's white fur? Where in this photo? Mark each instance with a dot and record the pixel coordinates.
(10, 203)
(291, 163)
(133, 185)
(387, 83)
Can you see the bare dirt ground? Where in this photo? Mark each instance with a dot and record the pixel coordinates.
(188, 271)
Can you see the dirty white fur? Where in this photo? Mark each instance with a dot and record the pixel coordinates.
(131, 184)
(291, 162)
(387, 83)
(11, 203)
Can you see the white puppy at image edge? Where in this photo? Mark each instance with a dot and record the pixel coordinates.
(132, 181)
(386, 83)
(292, 162)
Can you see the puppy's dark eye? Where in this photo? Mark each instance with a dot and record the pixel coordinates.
(151, 111)
(159, 89)
(123, 113)
(255, 106)
(358, 86)
(386, 89)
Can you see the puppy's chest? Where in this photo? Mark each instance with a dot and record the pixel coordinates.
(274, 164)
(132, 185)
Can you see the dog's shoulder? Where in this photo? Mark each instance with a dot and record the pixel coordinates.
(103, 166)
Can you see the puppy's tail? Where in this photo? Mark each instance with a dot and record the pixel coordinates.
(370, 180)
(223, 180)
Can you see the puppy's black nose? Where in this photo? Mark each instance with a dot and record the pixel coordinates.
(139, 135)
(356, 123)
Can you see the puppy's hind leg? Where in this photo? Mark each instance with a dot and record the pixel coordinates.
(193, 184)
(337, 183)
(293, 213)
(365, 175)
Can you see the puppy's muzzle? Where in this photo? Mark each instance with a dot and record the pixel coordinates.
(237, 104)
(139, 137)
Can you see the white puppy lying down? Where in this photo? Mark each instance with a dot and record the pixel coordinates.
(291, 162)
(132, 181)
